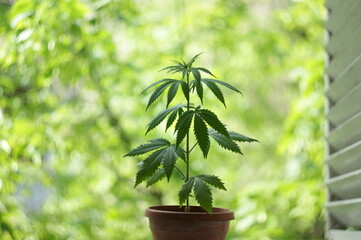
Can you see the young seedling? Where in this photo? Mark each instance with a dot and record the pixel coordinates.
(163, 154)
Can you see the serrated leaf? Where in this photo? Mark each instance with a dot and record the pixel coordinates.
(158, 92)
(144, 148)
(174, 68)
(172, 92)
(192, 85)
(190, 63)
(184, 63)
(241, 138)
(201, 133)
(224, 84)
(149, 166)
(206, 71)
(185, 72)
(203, 195)
(180, 111)
(213, 121)
(225, 142)
(185, 191)
(169, 159)
(157, 176)
(199, 88)
(171, 119)
(213, 180)
(161, 116)
(159, 140)
(180, 153)
(215, 89)
(185, 90)
(183, 125)
(196, 74)
(168, 67)
(179, 63)
(156, 83)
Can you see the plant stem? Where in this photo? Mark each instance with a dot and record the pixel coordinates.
(180, 172)
(187, 146)
(193, 147)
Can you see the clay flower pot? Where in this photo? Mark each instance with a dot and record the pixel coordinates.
(172, 223)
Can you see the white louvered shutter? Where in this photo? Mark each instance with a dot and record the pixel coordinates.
(343, 113)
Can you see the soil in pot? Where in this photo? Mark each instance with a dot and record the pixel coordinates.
(173, 223)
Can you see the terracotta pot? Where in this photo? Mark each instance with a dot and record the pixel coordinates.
(172, 223)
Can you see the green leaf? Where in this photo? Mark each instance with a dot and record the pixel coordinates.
(171, 119)
(192, 85)
(180, 153)
(183, 125)
(213, 180)
(199, 88)
(152, 145)
(241, 138)
(184, 193)
(196, 74)
(190, 63)
(172, 92)
(224, 84)
(158, 92)
(180, 111)
(185, 89)
(185, 72)
(201, 132)
(213, 121)
(179, 63)
(215, 89)
(169, 159)
(162, 115)
(156, 83)
(206, 71)
(157, 176)
(203, 195)
(225, 142)
(149, 166)
(174, 68)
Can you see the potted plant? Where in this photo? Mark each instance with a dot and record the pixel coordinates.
(185, 221)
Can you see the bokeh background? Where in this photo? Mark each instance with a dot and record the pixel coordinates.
(70, 76)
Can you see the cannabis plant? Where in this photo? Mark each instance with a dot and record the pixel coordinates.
(163, 154)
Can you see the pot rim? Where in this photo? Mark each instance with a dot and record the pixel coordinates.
(175, 212)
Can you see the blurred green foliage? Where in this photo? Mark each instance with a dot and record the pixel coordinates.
(70, 75)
